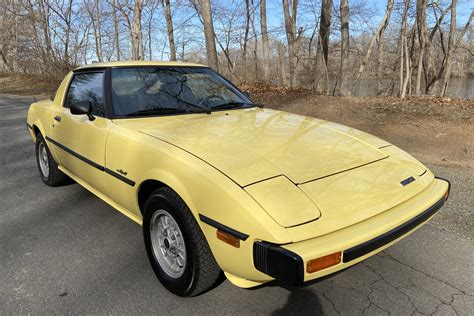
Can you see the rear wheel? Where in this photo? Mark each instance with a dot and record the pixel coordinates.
(48, 168)
(176, 246)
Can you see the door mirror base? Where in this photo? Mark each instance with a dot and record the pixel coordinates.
(82, 108)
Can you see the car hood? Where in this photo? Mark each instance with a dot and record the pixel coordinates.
(255, 144)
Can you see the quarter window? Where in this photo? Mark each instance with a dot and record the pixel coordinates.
(88, 87)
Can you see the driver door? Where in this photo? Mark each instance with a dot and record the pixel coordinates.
(80, 142)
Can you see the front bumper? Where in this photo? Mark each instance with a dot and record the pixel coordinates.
(287, 263)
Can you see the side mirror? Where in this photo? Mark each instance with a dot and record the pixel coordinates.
(82, 108)
(248, 95)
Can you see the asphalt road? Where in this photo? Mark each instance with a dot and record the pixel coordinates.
(62, 250)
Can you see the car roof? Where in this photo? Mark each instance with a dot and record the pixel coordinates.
(139, 63)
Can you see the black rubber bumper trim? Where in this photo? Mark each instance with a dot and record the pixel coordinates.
(223, 228)
(29, 126)
(380, 241)
(90, 162)
(449, 184)
(279, 263)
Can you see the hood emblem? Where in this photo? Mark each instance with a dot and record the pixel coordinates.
(407, 181)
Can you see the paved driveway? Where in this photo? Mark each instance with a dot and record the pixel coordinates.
(62, 250)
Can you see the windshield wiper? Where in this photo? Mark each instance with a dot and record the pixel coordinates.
(231, 105)
(156, 111)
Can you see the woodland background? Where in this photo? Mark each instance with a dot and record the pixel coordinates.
(408, 48)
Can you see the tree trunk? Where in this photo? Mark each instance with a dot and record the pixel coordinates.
(282, 62)
(447, 68)
(421, 26)
(266, 47)
(380, 76)
(407, 70)
(169, 28)
(206, 14)
(344, 8)
(290, 28)
(137, 36)
(255, 46)
(67, 35)
(428, 64)
(116, 31)
(3, 60)
(151, 12)
(323, 46)
(376, 37)
(246, 40)
(99, 32)
(404, 56)
(402, 47)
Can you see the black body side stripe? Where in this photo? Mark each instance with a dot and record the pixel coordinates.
(69, 151)
(29, 126)
(90, 162)
(223, 228)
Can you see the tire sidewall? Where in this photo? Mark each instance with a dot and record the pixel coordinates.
(182, 285)
(39, 140)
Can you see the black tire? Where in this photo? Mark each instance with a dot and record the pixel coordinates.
(54, 177)
(200, 269)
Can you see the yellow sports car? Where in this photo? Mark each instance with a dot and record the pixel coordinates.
(220, 183)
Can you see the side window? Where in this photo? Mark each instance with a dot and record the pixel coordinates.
(88, 87)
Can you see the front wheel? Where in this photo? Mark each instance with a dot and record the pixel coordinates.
(176, 246)
(48, 168)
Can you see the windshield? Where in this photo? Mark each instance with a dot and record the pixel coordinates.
(168, 90)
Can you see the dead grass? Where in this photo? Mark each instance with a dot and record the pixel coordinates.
(28, 84)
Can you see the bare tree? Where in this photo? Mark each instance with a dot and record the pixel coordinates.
(206, 14)
(421, 26)
(137, 36)
(376, 37)
(428, 63)
(63, 33)
(134, 26)
(282, 62)
(290, 28)
(323, 45)
(265, 43)
(246, 39)
(255, 41)
(447, 68)
(404, 55)
(344, 8)
(116, 30)
(169, 28)
(94, 13)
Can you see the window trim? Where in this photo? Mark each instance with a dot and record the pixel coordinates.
(106, 95)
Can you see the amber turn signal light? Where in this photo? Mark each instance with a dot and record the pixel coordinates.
(446, 195)
(323, 262)
(228, 238)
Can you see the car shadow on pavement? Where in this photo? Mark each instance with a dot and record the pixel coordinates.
(301, 301)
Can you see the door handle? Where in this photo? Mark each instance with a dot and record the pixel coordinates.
(57, 118)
